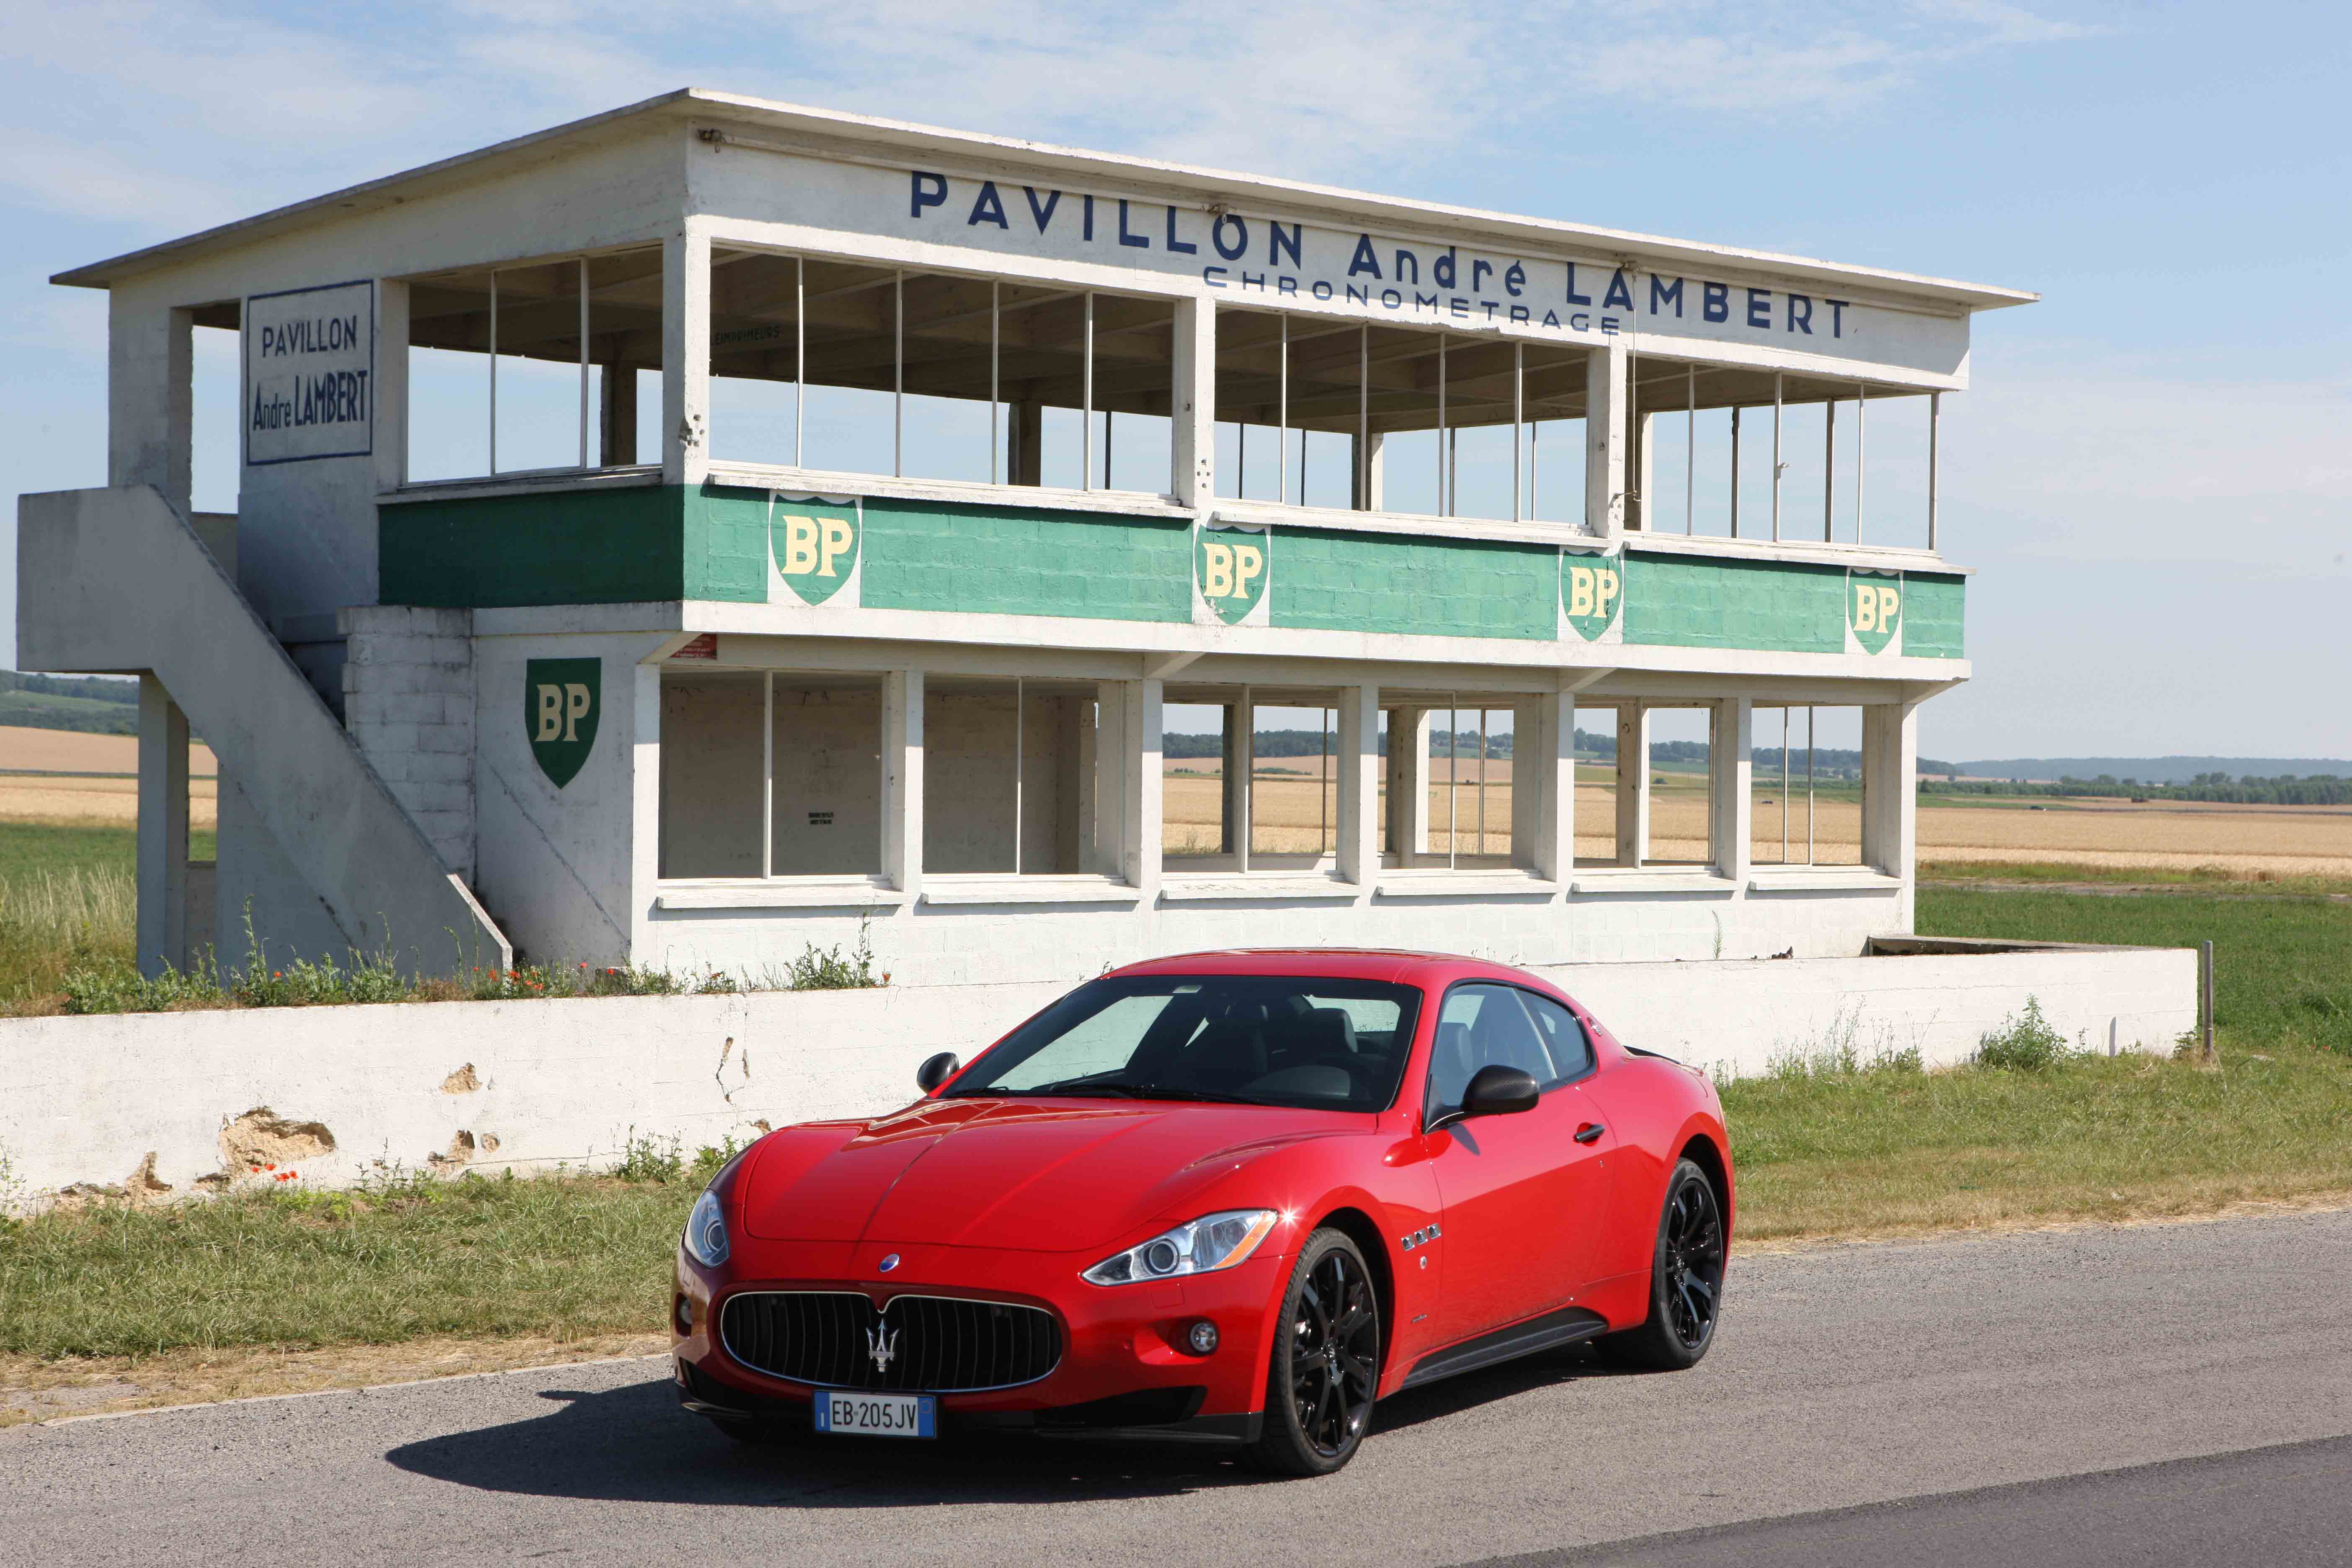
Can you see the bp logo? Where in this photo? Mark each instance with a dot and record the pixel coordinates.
(561, 699)
(1874, 608)
(1591, 591)
(815, 542)
(1230, 564)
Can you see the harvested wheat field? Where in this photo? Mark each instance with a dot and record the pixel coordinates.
(65, 776)
(1291, 815)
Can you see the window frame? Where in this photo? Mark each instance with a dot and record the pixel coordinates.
(1435, 1117)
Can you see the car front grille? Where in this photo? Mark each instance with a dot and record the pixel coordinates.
(935, 1344)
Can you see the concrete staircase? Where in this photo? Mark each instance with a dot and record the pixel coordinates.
(117, 581)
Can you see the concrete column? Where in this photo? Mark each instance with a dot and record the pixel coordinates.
(1639, 512)
(1139, 799)
(1377, 492)
(902, 781)
(1088, 718)
(1241, 761)
(1543, 785)
(1112, 766)
(1192, 398)
(1409, 785)
(391, 434)
(645, 808)
(1024, 439)
(150, 391)
(162, 829)
(1633, 782)
(1890, 803)
(686, 356)
(1358, 845)
(616, 410)
(1731, 799)
(1604, 439)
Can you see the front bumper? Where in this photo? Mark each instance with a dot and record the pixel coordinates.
(1125, 1364)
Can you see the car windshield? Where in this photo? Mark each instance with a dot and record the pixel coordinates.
(1249, 1039)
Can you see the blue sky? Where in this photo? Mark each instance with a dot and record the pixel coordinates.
(2153, 473)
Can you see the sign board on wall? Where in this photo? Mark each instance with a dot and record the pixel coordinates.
(310, 373)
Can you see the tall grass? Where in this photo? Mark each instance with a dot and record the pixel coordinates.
(52, 922)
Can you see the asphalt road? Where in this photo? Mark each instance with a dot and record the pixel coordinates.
(2152, 1395)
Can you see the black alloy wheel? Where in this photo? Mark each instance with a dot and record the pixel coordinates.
(1685, 1280)
(1326, 1361)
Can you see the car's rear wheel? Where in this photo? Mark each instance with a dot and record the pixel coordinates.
(1686, 1281)
(1325, 1364)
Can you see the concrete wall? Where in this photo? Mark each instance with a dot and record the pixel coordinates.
(530, 1084)
(408, 700)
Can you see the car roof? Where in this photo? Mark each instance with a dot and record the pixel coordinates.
(1390, 964)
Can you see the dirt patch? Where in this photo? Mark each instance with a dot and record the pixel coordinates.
(459, 1155)
(35, 1390)
(261, 1140)
(462, 1081)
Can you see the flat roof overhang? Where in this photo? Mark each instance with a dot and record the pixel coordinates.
(821, 132)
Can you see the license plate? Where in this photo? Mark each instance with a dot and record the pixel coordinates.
(878, 1415)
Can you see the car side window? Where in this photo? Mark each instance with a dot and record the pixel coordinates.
(1564, 1036)
(1482, 1025)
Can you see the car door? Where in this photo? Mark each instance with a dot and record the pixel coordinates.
(1511, 1186)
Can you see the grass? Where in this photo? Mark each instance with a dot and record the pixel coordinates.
(2212, 881)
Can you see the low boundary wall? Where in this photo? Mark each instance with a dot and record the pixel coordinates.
(162, 1104)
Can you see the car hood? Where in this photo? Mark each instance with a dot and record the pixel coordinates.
(1024, 1174)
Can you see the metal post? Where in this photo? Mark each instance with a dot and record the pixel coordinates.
(1453, 775)
(1107, 430)
(2205, 1057)
(1020, 729)
(1812, 851)
(1086, 402)
(1282, 440)
(1784, 786)
(1519, 418)
(583, 362)
(1535, 496)
(1690, 450)
(800, 362)
(1861, 434)
(768, 775)
(1241, 459)
(1323, 786)
(1443, 491)
(996, 360)
(899, 377)
(1735, 470)
(1482, 779)
(1779, 386)
(1828, 467)
(1935, 430)
(494, 370)
(1364, 418)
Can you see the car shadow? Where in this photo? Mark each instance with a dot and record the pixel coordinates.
(635, 1445)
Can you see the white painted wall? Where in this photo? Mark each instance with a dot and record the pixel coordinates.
(87, 1099)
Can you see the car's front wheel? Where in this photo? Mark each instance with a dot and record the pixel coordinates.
(1686, 1281)
(1325, 1364)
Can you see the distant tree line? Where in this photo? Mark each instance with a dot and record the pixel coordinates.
(88, 704)
(2317, 789)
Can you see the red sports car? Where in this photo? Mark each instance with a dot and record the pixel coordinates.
(1237, 1196)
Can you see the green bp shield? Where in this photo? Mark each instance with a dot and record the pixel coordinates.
(1592, 593)
(1874, 608)
(1230, 568)
(815, 542)
(560, 700)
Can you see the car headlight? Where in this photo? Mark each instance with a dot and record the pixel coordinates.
(705, 1231)
(1212, 1241)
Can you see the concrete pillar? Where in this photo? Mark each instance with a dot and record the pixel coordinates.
(1024, 439)
(686, 356)
(644, 809)
(391, 434)
(1139, 827)
(1377, 486)
(1731, 799)
(162, 829)
(1409, 785)
(150, 391)
(1890, 803)
(1358, 850)
(1192, 398)
(1633, 782)
(1639, 509)
(1240, 762)
(1088, 715)
(1604, 439)
(902, 780)
(1112, 766)
(616, 410)
(1543, 785)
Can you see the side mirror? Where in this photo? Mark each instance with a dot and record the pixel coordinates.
(938, 1069)
(1498, 1091)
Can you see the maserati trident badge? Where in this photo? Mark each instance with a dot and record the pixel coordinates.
(887, 1264)
(881, 1343)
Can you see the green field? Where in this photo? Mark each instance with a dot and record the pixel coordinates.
(66, 901)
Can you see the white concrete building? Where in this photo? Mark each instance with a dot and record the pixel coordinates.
(682, 535)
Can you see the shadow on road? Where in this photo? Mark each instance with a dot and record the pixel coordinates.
(635, 1443)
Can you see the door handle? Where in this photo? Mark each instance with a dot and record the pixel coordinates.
(1590, 1132)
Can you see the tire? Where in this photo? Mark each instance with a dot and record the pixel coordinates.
(1686, 1269)
(1323, 1367)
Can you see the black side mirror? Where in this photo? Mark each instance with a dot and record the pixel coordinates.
(1498, 1091)
(938, 1069)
